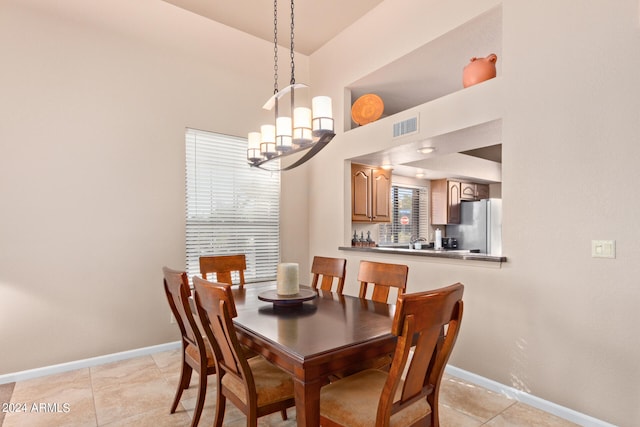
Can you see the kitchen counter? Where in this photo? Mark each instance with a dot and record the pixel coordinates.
(436, 253)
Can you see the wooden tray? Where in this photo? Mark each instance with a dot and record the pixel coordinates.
(273, 296)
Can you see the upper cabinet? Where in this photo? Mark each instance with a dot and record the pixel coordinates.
(445, 201)
(446, 196)
(473, 191)
(370, 194)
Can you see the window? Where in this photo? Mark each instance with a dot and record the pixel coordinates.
(230, 207)
(409, 216)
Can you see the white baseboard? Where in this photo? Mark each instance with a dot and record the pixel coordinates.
(520, 396)
(85, 363)
(528, 399)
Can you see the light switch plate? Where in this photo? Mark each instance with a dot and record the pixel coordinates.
(603, 248)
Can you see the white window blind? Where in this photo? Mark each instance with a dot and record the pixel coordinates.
(231, 208)
(409, 218)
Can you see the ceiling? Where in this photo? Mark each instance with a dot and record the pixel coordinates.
(425, 74)
(256, 18)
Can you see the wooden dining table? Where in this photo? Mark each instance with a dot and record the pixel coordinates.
(314, 339)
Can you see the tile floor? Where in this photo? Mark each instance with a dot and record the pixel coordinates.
(139, 392)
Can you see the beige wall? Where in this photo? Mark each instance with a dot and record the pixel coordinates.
(95, 98)
(552, 321)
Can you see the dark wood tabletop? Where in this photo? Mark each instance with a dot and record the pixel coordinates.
(315, 339)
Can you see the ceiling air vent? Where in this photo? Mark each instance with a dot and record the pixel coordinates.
(405, 127)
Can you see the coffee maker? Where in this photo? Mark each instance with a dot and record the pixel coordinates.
(449, 243)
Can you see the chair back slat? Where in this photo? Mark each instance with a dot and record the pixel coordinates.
(327, 271)
(223, 266)
(176, 285)
(383, 277)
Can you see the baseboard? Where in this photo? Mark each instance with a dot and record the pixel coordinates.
(528, 399)
(85, 363)
(520, 396)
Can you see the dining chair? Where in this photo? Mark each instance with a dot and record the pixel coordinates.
(255, 386)
(196, 351)
(325, 270)
(431, 321)
(383, 277)
(223, 266)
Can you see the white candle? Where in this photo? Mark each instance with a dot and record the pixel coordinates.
(288, 280)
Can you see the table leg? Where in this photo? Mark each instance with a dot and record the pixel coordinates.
(307, 396)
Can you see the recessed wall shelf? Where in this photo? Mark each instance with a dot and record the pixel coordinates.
(435, 69)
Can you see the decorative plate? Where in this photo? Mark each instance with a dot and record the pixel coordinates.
(368, 108)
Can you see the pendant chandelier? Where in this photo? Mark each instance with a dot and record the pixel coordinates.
(305, 129)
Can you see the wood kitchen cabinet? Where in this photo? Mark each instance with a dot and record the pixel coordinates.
(467, 191)
(445, 201)
(482, 191)
(473, 191)
(370, 194)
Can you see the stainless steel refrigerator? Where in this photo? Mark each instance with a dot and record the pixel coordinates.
(480, 226)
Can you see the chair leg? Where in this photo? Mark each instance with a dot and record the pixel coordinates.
(434, 416)
(284, 414)
(202, 391)
(252, 418)
(220, 406)
(185, 379)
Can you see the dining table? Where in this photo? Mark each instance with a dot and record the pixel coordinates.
(313, 339)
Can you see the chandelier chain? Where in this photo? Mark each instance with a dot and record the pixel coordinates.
(293, 64)
(275, 46)
(299, 129)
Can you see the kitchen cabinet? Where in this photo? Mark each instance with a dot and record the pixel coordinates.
(445, 201)
(467, 191)
(473, 191)
(482, 191)
(370, 194)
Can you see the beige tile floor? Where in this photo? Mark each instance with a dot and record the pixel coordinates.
(139, 392)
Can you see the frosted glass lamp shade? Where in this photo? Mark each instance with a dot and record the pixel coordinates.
(322, 115)
(321, 107)
(253, 148)
(302, 126)
(283, 134)
(268, 144)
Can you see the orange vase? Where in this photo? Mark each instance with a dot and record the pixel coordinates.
(479, 70)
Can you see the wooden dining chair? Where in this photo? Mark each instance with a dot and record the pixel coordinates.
(223, 266)
(254, 386)
(383, 277)
(378, 398)
(196, 351)
(327, 271)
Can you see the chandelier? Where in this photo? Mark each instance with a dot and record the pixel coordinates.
(305, 129)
